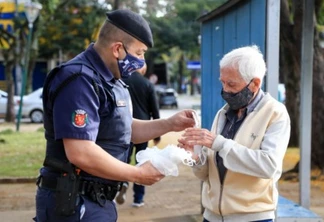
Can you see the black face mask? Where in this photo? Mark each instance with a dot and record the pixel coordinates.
(238, 100)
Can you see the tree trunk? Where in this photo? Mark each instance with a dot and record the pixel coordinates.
(290, 61)
(290, 48)
(317, 143)
(180, 76)
(192, 82)
(318, 100)
(116, 5)
(10, 115)
(10, 112)
(30, 71)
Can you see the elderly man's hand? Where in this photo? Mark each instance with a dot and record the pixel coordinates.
(196, 136)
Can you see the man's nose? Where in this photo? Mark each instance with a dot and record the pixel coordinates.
(225, 87)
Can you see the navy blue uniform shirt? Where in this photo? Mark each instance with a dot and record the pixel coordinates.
(78, 112)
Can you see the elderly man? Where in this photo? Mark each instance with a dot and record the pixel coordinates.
(241, 159)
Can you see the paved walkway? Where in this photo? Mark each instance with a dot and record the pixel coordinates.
(174, 199)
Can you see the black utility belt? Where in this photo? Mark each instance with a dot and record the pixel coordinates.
(95, 191)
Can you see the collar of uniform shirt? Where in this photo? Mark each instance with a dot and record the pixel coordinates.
(94, 58)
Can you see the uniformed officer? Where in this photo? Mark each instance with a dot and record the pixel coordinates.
(89, 126)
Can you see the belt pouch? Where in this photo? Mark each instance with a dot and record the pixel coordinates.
(67, 193)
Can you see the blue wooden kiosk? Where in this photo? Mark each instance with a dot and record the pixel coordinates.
(234, 24)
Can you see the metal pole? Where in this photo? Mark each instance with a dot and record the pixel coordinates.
(25, 72)
(272, 49)
(306, 86)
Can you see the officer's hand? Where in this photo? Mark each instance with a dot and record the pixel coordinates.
(181, 120)
(148, 174)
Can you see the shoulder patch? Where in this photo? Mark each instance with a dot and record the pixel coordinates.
(79, 118)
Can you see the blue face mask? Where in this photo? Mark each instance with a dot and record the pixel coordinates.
(129, 64)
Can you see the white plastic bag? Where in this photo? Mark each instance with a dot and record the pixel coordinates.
(165, 160)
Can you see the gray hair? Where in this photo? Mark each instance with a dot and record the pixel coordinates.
(248, 61)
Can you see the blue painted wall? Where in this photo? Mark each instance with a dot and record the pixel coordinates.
(243, 24)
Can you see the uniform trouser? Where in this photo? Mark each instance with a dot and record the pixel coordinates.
(139, 190)
(86, 211)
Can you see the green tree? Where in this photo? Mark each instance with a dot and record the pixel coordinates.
(66, 26)
(69, 27)
(65, 29)
(152, 7)
(179, 27)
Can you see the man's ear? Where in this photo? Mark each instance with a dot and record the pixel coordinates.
(116, 49)
(255, 84)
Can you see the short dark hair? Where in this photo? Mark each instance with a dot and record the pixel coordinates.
(110, 33)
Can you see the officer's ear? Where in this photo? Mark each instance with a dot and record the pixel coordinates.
(117, 49)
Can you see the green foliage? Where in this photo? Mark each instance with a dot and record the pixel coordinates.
(178, 30)
(180, 25)
(320, 13)
(152, 7)
(21, 153)
(6, 132)
(69, 26)
(41, 129)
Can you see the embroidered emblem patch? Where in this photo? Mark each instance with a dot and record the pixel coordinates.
(79, 118)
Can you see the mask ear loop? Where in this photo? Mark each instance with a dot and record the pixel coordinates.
(188, 159)
(124, 47)
(249, 83)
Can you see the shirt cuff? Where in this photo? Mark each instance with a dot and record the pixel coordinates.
(218, 143)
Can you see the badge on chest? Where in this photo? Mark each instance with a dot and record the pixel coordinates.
(121, 103)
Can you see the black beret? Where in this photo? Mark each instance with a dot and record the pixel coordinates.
(132, 23)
